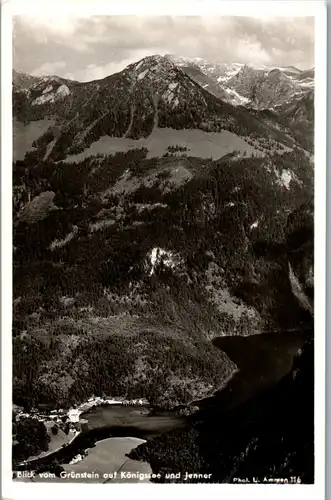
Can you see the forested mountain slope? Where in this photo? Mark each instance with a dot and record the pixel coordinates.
(127, 264)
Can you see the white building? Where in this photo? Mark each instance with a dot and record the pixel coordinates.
(73, 415)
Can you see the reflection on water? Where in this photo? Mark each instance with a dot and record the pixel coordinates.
(146, 420)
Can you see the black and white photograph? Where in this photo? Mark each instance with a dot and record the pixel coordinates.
(163, 184)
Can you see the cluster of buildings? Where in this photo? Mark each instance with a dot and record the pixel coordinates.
(79, 457)
(72, 416)
(98, 401)
(134, 402)
(70, 421)
(57, 416)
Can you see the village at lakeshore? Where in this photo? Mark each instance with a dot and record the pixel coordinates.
(102, 432)
(70, 419)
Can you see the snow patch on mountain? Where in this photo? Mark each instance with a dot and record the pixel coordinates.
(268, 87)
(27, 92)
(229, 72)
(308, 84)
(45, 79)
(141, 207)
(220, 72)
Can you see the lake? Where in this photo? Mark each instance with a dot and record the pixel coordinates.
(262, 361)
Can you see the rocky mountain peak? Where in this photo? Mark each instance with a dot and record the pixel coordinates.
(154, 65)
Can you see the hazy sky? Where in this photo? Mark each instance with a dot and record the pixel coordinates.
(90, 48)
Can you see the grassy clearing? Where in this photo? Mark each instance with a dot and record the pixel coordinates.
(197, 143)
(24, 135)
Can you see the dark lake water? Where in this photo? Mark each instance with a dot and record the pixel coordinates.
(262, 361)
(148, 421)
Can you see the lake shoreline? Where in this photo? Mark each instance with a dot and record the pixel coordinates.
(107, 420)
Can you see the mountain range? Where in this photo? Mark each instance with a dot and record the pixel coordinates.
(160, 92)
(242, 84)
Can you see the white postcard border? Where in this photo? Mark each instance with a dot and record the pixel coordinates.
(12, 490)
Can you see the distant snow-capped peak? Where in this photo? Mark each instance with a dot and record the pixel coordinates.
(219, 71)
